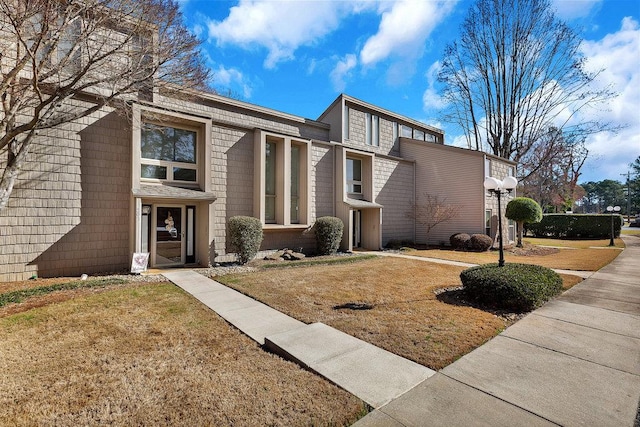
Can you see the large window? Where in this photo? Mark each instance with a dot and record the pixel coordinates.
(168, 153)
(354, 176)
(281, 191)
(270, 183)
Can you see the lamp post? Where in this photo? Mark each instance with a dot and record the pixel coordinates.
(498, 188)
(611, 210)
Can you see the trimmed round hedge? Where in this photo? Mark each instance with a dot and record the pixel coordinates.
(245, 237)
(518, 287)
(459, 241)
(328, 230)
(480, 242)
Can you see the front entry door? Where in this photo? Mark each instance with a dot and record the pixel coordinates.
(169, 236)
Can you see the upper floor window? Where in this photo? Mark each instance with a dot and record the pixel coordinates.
(354, 176)
(345, 123)
(372, 129)
(406, 131)
(168, 153)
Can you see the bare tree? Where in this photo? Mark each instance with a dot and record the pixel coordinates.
(63, 60)
(551, 169)
(433, 211)
(516, 72)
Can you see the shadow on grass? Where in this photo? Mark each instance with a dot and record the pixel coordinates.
(459, 297)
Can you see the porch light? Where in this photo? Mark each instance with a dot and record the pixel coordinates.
(498, 188)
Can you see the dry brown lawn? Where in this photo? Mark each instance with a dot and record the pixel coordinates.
(407, 317)
(150, 355)
(573, 255)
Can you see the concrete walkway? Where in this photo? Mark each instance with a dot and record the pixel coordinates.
(575, 361)
(374, 375)
(579, 273)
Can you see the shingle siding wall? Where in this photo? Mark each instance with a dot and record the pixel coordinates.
(393, 188)
(322, 185)
(455, 176)
(69, 210)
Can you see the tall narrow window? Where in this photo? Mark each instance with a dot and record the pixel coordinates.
(395, 132)
(354, 176)
(367, 128)
(295, 184)
(487, 222)
(270, 183)
(345, 123)
(375, 131)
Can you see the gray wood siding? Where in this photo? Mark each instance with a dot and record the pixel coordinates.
(455, 175)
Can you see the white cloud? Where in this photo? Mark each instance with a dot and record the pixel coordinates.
(228, 79)
(617, 54)
(404, 27)
(431, 99)
(342, 70)
(279, 26)
(572, 9)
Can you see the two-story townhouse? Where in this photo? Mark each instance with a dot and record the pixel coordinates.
(97, 190)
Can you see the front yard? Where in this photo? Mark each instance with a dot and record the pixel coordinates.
(394, 304)
(147, 353)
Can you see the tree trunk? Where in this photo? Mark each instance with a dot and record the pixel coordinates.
(520, 232)
(7, 181)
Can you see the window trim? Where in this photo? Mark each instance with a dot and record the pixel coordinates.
(351, 183)
(170, 164)
(283, 193)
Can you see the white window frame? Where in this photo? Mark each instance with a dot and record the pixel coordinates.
(351, 183)
(169, 164)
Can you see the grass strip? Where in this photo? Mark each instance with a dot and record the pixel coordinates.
(14, 297)
(331, 261)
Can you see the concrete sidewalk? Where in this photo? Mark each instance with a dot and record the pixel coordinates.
(374, 375)
(575, 361)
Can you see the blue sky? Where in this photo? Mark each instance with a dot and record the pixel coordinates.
(298, 56)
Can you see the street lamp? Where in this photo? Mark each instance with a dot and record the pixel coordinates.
(497, 187)
(612, 209)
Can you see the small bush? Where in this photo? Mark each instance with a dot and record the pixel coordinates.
(518, 287)
(328, 230)
(480, 242)
(245, 237)
(459, 241)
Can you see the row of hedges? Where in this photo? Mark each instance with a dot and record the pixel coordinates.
(245, 236)
(575, 226)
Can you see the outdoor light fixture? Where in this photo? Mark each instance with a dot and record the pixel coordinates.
(612, 209)
(497, 187)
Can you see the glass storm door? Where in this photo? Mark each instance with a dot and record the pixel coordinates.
(169, 236)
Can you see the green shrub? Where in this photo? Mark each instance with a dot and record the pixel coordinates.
(574, 226)
(459, 241)
(245, 237)
(480, 242)
(328, 231)
(518, 287)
